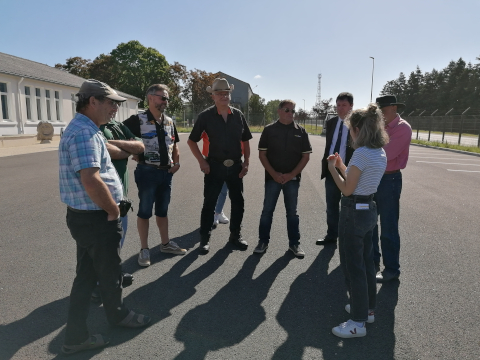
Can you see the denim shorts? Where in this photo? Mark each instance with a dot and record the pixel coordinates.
(154, 186)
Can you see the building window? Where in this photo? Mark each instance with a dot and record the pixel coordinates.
(49, 112)
(73, 105)
(4, 101)
(57, 105)
(28, 103)
(39, 104)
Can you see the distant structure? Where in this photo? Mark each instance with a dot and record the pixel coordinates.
(319, 91)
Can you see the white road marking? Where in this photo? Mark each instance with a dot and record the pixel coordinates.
(470, 171)
(438, 162)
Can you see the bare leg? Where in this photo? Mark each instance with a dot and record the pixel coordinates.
(162, 223)
(142, 226)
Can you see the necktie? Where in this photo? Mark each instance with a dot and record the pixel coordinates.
(339, 139)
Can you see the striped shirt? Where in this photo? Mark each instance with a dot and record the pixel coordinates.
(372, 164)
(83, 146)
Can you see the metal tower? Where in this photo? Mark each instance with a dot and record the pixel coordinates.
(319, 90)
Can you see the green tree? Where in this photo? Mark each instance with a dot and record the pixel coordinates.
(271, 111)
(77, 66)
(194, 90)
(137, 67)
(256, 110)
(321, 110)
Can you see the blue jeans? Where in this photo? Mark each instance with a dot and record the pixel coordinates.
(221, 199)
(332, 197)
(290, 198)
(154, 186)
(356, 254)
(98, 248)
(388, 204)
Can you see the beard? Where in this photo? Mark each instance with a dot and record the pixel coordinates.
(160, 107)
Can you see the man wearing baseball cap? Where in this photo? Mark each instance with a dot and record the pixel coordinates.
(227, 130)
(92, 191)
(390, 188)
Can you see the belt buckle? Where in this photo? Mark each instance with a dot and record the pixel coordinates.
(228, 162)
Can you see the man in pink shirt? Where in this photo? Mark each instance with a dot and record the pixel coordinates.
(390, 188)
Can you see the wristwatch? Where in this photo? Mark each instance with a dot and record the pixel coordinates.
(176, 164)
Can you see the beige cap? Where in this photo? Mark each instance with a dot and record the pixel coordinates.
(94, 87)
(220, 85)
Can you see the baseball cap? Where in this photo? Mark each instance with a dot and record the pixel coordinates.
(94, 87)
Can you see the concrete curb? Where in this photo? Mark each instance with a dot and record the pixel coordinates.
(22, 140)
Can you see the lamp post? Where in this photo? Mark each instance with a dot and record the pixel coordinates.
(373, 69)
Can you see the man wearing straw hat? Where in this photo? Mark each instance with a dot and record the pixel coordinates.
(226, 129)
(390, 188)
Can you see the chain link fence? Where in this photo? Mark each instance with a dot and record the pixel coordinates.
(454, 129)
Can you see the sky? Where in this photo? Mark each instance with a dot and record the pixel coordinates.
(279, 47)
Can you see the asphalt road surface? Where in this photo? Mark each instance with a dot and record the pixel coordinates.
(234, 304)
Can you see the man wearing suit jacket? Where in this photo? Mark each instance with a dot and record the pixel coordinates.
(338, 140)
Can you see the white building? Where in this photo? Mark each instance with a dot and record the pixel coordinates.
(31, 92)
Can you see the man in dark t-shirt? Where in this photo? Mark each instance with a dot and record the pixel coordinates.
(226, 129)
(284, 150)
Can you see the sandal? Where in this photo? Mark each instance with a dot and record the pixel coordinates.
(134, 320)
(95, 341)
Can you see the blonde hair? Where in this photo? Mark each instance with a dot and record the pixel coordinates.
(371, 125)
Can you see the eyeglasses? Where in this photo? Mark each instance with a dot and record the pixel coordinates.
(222, 94)
(113, 102)
(289, 110)
(164, 98)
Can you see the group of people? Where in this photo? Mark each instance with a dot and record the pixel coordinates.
(93, 154)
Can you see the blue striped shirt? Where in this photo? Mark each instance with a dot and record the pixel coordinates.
(372, 164)
(83, 146)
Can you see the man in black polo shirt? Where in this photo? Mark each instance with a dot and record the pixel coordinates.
(226, 129)
(284, 152)
(155, 169)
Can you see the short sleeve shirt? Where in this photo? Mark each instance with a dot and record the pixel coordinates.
(372, 164)
(158, 138)
(83, 146)
(285, 145)
(224, 136)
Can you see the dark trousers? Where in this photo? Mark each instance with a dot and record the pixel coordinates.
(290, 198)
(332, 197)
(98, 259)
(356, 254)
(213, 183)
(388, 203)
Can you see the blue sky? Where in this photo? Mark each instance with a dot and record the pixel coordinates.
(279, 47)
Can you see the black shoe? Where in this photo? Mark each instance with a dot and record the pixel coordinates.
(297, 251)
(204, 246)
(326, 241)
(238, 241)
(261, 248)
(386, 276)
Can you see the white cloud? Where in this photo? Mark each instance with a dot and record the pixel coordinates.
(257, 77)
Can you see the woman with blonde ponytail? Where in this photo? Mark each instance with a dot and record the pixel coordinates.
(358, 216)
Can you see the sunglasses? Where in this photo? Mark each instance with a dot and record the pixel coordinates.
(288, 110)
(164, 98)
(113, 102)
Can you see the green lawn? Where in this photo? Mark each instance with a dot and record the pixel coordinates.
(447, 145)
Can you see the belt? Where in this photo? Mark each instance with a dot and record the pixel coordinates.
(225, 162)
(360, 198)
(167, 167)
(391, 172)
(83, 211)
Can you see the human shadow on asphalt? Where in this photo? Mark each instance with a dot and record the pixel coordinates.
(316, 304)
(52, 316)
(232, 314)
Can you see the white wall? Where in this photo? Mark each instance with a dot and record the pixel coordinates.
(18, 121)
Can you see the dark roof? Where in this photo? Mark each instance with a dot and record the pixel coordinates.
(220, 73)
(13, 65)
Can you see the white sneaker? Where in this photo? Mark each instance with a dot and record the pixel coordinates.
(221, 218)
(172, 248)
(144, 257)
(371, 314)
(349, 330)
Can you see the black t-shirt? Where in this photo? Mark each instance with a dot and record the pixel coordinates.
(285, 145)
(224, 137)
(164, 151)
